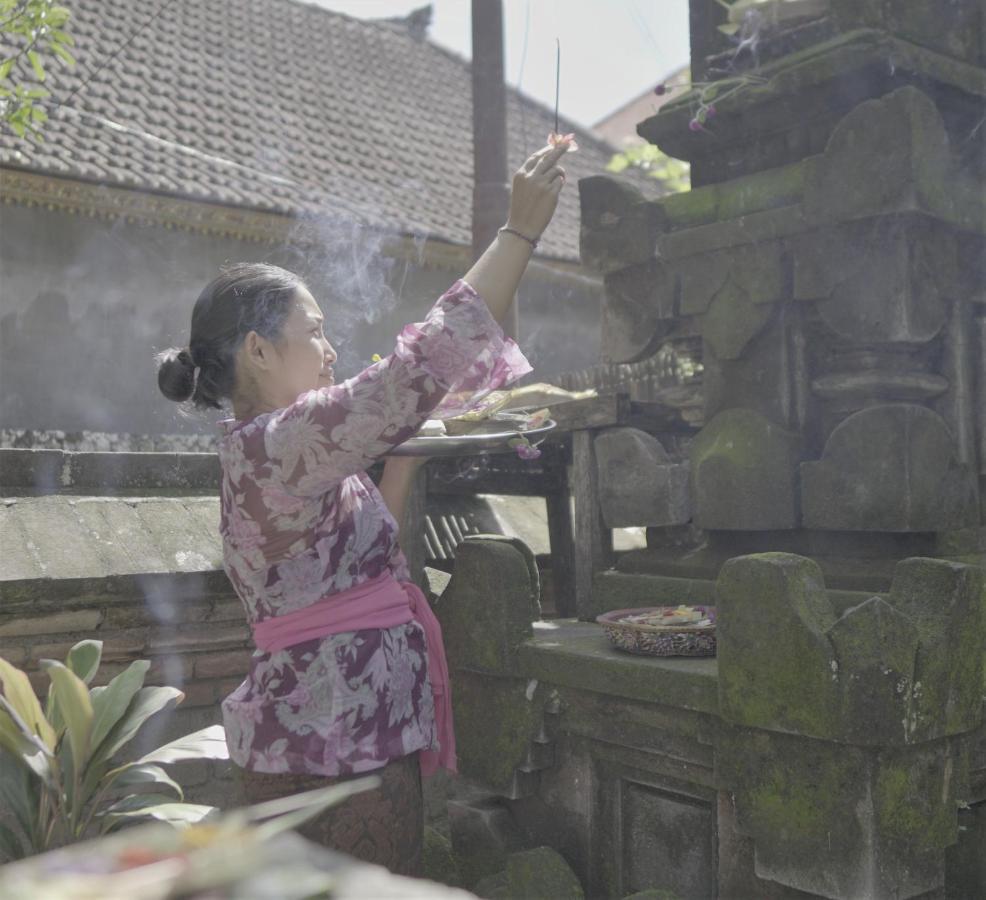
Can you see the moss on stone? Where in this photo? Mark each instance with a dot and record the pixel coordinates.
(689, 208)
(541, 873)
(914, 799)
(778, 677)
(437, 860)
(764, 190)
(494, 724)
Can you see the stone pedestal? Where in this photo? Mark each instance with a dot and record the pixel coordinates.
(846, 738)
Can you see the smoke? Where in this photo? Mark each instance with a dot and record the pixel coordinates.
(342, 258)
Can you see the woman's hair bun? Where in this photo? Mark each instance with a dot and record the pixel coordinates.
(176, 374)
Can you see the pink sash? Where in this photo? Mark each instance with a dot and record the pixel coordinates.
(382, 602)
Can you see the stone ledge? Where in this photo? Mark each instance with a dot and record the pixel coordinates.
(66, 471)
(28, 596)
(577, 654)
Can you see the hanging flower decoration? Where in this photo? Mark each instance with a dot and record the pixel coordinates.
(703, 107)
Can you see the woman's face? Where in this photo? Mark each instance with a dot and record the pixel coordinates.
(299, 361)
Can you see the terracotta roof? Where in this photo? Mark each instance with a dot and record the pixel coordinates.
(282, 106)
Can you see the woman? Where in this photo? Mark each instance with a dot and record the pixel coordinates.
(349, 676)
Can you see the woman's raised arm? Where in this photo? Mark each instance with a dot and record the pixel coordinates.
(533, 199)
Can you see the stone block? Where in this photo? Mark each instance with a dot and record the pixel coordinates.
(487, 610)
(841, 821)
(759, 378)
(700, 278)
(946, 601)
(733, 320)
(890, 671)
(70, 621)
(875, 647)
(895, 270)
(887, 280)
(483, 835)
(776, 664)
(753, 271)
(619, 224)
(637, 311)
(20, 561)
(44, 471)
(218, 664)
(882, 157)
(437, 859)
(541, 872)
(639, 484)
(889, 468)
(135, 472)
(954, 29)
(743, 473)
(495, 723)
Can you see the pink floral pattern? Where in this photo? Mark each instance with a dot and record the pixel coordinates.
(301, 520)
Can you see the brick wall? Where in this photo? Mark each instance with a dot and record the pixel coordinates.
(190, 627)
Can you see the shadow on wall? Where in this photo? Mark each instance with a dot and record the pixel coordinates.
(72, 371)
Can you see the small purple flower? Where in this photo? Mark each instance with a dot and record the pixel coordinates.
(524, 448)
(694, 125)
(710, 110)
(661, 90)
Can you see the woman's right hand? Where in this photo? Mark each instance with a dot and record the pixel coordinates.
(536, 187)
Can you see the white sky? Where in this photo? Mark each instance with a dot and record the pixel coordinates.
(611, 50)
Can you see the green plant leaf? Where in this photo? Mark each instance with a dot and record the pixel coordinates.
(111, 705)
(178, 814)
(75, 708)
(10, 844)
(5, 68)
(209, 743)
(84, 659)
(20, 741)
(36, 64)
(155, 806)
(147, 702)
(63, 54)
(140, 773)
(17, 689)
(16, 794)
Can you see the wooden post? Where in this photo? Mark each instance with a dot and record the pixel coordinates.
(491, 191)
(593, 541)
(413, 532)
(562, 542)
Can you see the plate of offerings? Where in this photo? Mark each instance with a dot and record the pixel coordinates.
(498, 434)
(518, 420)
(662, 630)
(243, 854)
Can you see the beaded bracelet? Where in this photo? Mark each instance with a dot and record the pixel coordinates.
(532, 241)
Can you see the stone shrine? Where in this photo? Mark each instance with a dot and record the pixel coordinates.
(813, 462)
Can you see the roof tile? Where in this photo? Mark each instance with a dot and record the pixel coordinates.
(283, 106)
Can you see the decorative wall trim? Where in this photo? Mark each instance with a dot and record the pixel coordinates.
(32, 189)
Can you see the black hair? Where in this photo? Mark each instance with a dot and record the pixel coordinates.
(244, 297)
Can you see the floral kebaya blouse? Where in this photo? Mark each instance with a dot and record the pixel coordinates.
(300, 520)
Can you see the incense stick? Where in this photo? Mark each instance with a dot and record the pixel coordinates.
(557, 80)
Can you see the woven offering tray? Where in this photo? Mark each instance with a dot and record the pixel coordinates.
(497, 441)
(691, 630)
